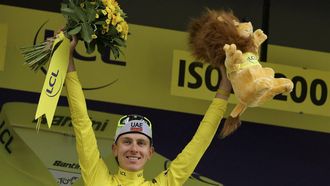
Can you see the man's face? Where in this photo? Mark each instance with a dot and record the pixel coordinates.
(133, 150)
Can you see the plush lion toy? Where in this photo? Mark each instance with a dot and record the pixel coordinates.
(217, 37)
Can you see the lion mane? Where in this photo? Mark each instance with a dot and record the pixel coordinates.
(208, 35)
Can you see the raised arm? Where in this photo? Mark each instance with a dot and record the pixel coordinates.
(92, 166)
(184, 164)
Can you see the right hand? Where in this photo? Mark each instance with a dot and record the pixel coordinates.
(73, 44)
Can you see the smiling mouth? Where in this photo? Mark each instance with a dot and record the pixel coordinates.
(133, 158)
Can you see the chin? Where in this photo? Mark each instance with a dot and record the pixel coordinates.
(134, 168)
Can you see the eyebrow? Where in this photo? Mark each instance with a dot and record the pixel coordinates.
(142, 140)
(126, 138)
(138, 139)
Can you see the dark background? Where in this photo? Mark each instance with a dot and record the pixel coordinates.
(299, 24)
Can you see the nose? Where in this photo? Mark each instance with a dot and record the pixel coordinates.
(134, 147)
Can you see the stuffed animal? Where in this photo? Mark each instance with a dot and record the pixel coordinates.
(218, 37)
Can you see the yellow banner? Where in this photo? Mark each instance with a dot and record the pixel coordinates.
(146, 71)
(55, 78)
(3, 45)
(19, 164)
(191, 78)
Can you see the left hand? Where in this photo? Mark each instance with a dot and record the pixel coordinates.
(225, 83)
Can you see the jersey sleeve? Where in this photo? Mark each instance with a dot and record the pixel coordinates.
(184, 164)
(92, 165)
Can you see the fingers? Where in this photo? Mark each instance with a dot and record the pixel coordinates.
(74, 42)
(58, 31)
(237, 55)
(230, 49)
(259, 34)
(233, 53)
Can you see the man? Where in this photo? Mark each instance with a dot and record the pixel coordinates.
(133, 140)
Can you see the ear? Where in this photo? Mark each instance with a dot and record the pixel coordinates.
(151, 152)
(115, 150)
(236, 23)
(221, 19)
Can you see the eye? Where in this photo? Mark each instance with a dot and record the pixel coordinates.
(127, 142)
(141, 143)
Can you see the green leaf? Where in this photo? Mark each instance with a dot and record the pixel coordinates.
(90, 47)
(75, 31)
(115, 52)
(120, 42)
(70, 13)
(91, 14)
(86, 32)
(112, 31)
(78, 12)
(100, 47)
(67, 11)
(121, 52)
(99, 22)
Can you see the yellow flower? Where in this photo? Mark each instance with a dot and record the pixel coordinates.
(119, 28)
(112, 8)
(119, 18)
(108, 10)
(110, 2)
(107, 21)
(104, 12)
(124, 36)
(105, 27)
(82, 5)
(114, 20)
(97, 16)
(94, 36)
(122, 27)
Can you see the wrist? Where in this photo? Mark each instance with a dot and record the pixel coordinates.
(223, 93)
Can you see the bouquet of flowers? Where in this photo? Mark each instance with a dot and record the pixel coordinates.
(98, 23)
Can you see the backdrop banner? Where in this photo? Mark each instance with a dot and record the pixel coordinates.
(22, 148)
(157, 62)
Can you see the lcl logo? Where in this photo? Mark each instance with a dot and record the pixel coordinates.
(54, 86)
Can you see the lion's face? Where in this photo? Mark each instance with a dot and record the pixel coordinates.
(245, 30)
